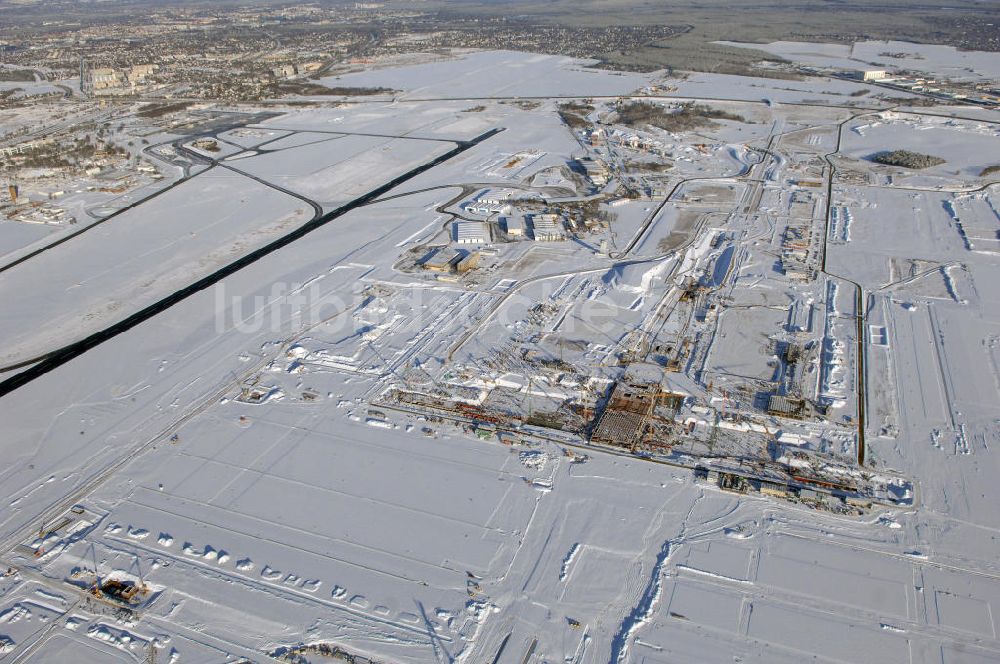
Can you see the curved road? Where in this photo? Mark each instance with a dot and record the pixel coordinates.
(63, 355)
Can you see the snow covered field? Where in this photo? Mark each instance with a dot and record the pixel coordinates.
(382, 440)
(931, 59)
(967, 146)
(496, 74)
(102, 276)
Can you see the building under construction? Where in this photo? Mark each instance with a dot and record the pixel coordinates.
(629, 415)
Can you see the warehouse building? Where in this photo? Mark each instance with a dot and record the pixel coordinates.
(491, 202)
(595, 170)
(471, 232)
(442, 260)
(467, 263)
(514, 225)
(496, 198)
(873, 74)
(547, 228)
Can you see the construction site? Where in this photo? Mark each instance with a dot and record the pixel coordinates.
(437, 377)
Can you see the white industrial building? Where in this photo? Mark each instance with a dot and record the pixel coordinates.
(471, 232)
(496, 197)
(477, 207)
(491, 202)
(596, 170)
(514, 225)
(873, 74)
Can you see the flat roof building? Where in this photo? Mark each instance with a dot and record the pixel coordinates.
(491, 201)
(514, 225)
(547, 228)
(596, 170)
(873, 74)
(467, 263)
(496, 197)
(471, 232)
(442, 260)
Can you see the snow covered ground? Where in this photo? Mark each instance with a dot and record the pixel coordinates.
(496, 74)
(310, 454)
(138, 257)
(931, 59)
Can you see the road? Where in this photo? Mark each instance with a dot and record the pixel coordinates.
(159, 192)
(63, 355)
(859, 314)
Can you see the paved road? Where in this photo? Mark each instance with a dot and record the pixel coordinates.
(58, 357)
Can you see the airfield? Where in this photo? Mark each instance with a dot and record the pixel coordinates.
(440, 376)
